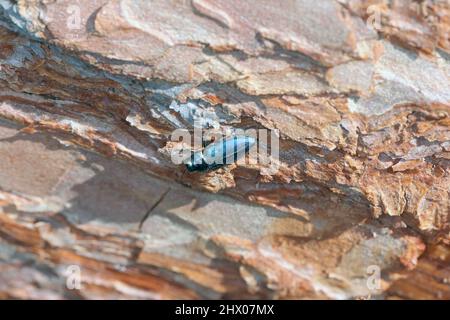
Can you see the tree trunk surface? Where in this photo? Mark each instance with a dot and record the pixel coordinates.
(92, 206)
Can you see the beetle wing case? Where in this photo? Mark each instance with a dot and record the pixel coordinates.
(227, 150)
(219, 153)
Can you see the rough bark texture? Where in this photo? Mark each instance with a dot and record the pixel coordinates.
(87, 107)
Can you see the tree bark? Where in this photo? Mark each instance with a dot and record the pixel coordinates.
(91, 205)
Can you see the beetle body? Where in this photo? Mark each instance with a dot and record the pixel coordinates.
(221, 152)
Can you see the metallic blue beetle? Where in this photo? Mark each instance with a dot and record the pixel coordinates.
(219, 153)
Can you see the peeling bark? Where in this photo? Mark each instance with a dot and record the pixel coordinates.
(88, 104)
